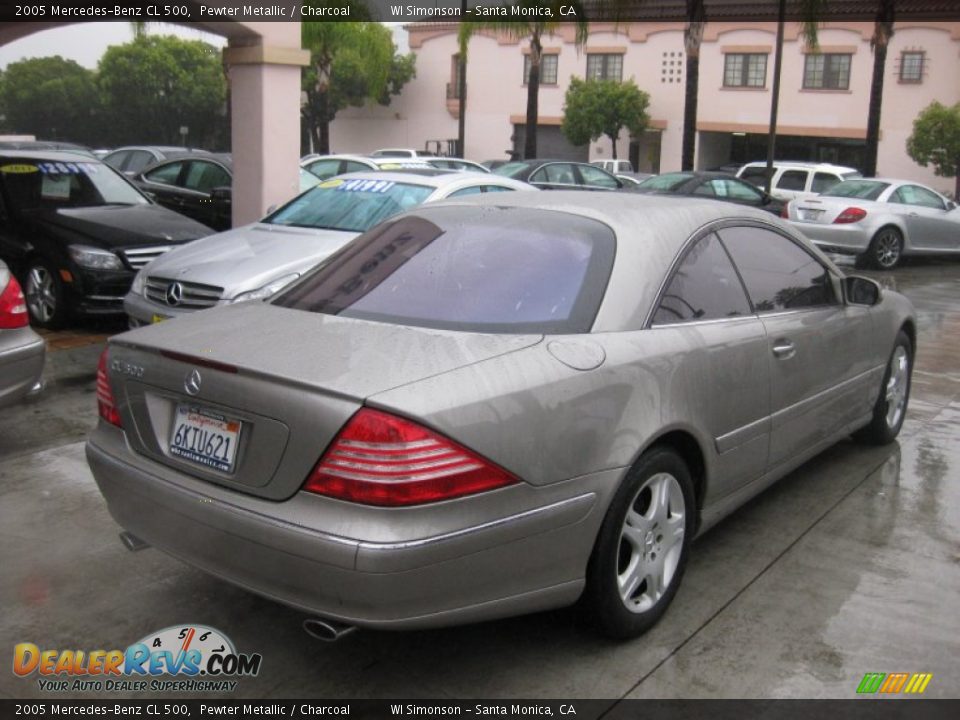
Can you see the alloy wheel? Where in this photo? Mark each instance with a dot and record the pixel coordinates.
(888, 248)
(41, 294)
(651, 542)
(897, 385)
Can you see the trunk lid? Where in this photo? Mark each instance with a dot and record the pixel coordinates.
(288, 380)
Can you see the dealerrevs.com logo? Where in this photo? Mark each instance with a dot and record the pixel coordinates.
(182, 658)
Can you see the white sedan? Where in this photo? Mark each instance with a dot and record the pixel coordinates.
(880, 220)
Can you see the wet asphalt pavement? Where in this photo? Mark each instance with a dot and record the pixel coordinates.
(849, 565)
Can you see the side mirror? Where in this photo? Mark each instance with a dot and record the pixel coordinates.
(861, 291)
(222, 194)
(951, 205)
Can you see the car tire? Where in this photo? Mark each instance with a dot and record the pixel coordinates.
(44, 294)
(891, 406)
(886, 249)
(642, 548)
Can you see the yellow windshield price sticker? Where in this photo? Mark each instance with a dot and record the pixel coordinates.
(19, 169)
(331, 183)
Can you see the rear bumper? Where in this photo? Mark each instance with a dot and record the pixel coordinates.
(849, 238)
(530, 559)
(22, 356)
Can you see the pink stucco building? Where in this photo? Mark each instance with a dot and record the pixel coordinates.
(823, 105)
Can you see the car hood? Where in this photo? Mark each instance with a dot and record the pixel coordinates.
(248, 257)
(119, 226)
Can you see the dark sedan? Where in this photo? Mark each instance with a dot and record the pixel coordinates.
(560, 175)
(76, 231)
(132, 159)
(715, 185)
(197, 185)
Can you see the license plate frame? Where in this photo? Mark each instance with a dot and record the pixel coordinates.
(157, 318)
(205, 437)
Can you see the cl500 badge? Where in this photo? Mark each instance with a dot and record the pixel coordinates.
(125, 368)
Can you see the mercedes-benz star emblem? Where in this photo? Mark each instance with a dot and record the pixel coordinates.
(192, 383)
(174, 293)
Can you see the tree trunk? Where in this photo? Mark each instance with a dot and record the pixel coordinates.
(533, 98)
(693, 35)
(956, 186)
(613, 141)
(775, 99)
(883, 30)
(323, 124)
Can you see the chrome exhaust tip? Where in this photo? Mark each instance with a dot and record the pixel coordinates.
(131, 542)
(326, 630)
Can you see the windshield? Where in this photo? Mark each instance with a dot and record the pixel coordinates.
(507, 270)
(352, 205)
(40, 184)
(667, 181)
(860, 189)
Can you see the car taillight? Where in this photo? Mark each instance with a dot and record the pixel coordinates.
(850, 215)
(382, 459)
(13, 306)
(105, 403)
(785, 211)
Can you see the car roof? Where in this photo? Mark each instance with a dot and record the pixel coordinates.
(651, 231)
(432, 177)
(51, 155)
(804, 164)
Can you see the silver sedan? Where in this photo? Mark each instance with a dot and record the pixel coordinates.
(495, 406)
(880, 220)
(22, 351)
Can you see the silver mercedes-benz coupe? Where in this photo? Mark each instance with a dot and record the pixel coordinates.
(497, 405)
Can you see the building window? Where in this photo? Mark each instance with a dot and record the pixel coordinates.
(911, 67)
(605, 67)
(548, 69)
(745, 70)
(829, 71)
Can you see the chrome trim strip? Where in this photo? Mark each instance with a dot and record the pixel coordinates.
(742, 435)
(579, 499)
(780, 414)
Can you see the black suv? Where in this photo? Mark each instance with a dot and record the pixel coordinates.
(76, 232)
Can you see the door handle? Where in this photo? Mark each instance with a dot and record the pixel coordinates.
(784, 349)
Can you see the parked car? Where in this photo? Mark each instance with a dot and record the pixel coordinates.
(615, 167)
(307, 180)
(198, 185)
(494, 164)
(796, 179)
(880, 220)
(718, 186)
(75, 231)
(497, 405)
(560, 175)
(255, 261)
(45, 145)
(399, 153)
(131, 159)
(328, 166)
(22, 351)
(631, 180)
(730, 168)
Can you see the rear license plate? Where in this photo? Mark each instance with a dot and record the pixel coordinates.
(159, 318)
(204, 437)
(810, 214)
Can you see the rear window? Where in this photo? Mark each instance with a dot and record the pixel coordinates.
(860, 189)
(512, 169)
(353, 205)
(496, 270)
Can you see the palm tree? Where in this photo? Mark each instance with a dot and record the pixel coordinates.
(692, 37)
(535, 31)
(882, 32)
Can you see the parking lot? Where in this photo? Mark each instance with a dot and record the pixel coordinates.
(847, 566)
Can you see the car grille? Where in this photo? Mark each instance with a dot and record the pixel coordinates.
(140, 256)
(193, 296)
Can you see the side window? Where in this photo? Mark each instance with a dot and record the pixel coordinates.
(704, 287)
(466, 191)
(116, 160)
(496, 188)
(596, 177)
(792, 180)
(705, 189)
(916, 195)
(204, 177)
(736, 190)
(165, 174)
(823, 181)
(778, 273)
(560, 173)
(324, 169)
(352, 166)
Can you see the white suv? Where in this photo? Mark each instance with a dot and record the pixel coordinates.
(614, 166)
(797, 179)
